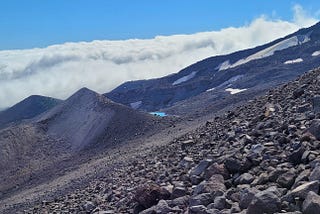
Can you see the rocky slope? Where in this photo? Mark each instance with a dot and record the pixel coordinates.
(262, 157)
(26, 109)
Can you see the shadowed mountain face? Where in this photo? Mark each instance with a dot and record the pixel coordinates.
(86, 122)
(256, 69)
(27, 109)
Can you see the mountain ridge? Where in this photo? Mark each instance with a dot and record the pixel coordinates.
(161, 93)
(27, 109)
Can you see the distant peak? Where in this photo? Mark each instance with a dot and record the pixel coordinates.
(85, 90)
(83, 93)
(32, 97)
(37, 98)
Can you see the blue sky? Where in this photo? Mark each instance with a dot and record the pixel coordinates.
(39, 23)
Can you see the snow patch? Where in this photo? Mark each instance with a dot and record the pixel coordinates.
(224, 66)
(136, 105)
(210, 89)
(185, 78)
(234, 90)
(287, 43)
(293, 61)
(231, 80)
(316, 53)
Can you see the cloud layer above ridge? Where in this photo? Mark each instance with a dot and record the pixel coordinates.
(60, 70)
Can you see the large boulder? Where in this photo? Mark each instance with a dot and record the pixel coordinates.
(149, 195)
(179, 202)
(311, 204)
(316, 103)
(215, 186)
(264, 202)
(201, 167)
(314, 128)
(246, 196)
(235, 165)
(161, 208)
(315, 174)
(303, 190)
(199, 209)
(287, 179)
(295, 157)
(202, 199)
(216, 168)
(245, 178)
(178, 192)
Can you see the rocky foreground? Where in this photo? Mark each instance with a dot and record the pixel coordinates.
(259, 158)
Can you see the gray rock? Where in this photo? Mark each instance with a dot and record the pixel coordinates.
(276, 190)
(257, 148)
(219, 202)
(202, 199)
(149, 195)
(301, 178)
(296, 212)
(303, 108)
(235, 208)
(315, 174)
(274, 174)
(161, 208)
(245, 178)
(311, 204)
(105, 212)
(195, 179)
(286, 180)
(261, 179)
(187, 143)
(296, 155)
(305, 157)
(201, 167)
(233, 165)
(215, 186)
(178, 192)
(297, 93)
(186, 162)
(199, 209)
(216, 168)
(89, 206)
(246, 196)
(179, 202)
(314, 128)
(316, 103)
(303, 190)
(264, 202)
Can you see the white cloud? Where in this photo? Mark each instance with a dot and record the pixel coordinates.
(59, 70)
(302, 17)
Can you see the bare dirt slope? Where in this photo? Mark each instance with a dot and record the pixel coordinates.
(87, 117)
(69, 134)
